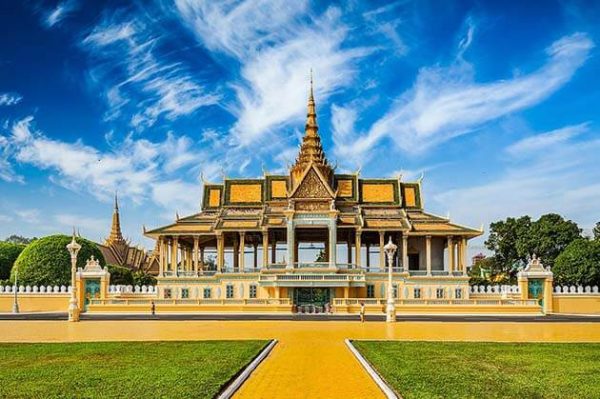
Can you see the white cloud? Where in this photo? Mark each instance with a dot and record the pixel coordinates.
(60, 12)
(276, 48)
(7, 99)
(446, 102)
(29, 215)
(561, 178)
(128, 55)
(138, 169)
(84, 224)
(541, 142)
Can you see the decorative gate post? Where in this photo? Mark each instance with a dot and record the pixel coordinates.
(535, 282)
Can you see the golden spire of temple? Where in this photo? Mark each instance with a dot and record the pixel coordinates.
(115, 231)
(311, 149)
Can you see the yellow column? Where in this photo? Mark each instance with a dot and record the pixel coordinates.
(196, 241)
(202, 258)
(428, 254)
(255, 259)
(381, 254)
(450, 246)
(523, 286)
(174, 247)
(265, 248)
(357, 246)
(242, 251)
(368, 247)
(548, 295)
(220, 252)
(236, 252)
(405, 252)
(463, 256)
(161, 256)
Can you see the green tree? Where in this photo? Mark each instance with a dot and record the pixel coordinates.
(504, 239)
(140, 277)
(548, 237)
(120, 275)
(596, 231)
(579, 263)
(16, 239)
(9, 253)
(46, 261)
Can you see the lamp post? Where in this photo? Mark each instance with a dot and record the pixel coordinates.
(73, 248)
(390, 310)
(15, 308)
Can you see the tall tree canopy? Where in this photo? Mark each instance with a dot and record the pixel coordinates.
(597, 231)
(514, 240)
(9, 253)
(579, 263)
(16, 239)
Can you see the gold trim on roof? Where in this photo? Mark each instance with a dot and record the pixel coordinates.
(239, 223)
(377, 192)
(345, 188)
(410, 196)
(214, 197)
(278, 189)
(245, 193)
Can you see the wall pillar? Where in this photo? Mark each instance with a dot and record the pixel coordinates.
(332, 243)
(255, 260)
(463, 256)
(368, 246)
(349, 248)
(404, 252)
(161, 255)
(265, 248)
(195, 253)
(274, 250)
(428, 254)
(548, 295)
(242, 251)
(357, 248)
(290, 243)
(450, 246)
(174, 247)
(220, 252)
(381, 253)
(202, 258)
(236, 252)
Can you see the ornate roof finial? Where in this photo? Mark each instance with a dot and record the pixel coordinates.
(115, 237)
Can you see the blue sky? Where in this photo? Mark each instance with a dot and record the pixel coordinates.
(496, 103)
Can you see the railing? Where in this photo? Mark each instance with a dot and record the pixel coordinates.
(435, 301)
(312, 277)
(311, 265)
(228, 301)
(130, 289)
(495, 289)
(576, 290)
(418, 273)
(42, 289)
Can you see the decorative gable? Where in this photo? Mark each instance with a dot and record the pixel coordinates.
(313, 185)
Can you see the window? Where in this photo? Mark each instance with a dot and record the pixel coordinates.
(395, 290)
(185, 293)
(206, 293)
(370, 291)
(458, 293)
(252, 291)
(229, 293)
(168, 293)
(417, 293)
(439, 293)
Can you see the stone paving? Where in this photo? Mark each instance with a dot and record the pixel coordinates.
(311, 359)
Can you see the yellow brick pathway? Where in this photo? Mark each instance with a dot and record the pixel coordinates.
(310, 360)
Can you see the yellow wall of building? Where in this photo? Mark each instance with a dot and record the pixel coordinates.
(580, 304)
(35, 302)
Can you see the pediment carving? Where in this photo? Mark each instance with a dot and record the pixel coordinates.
(312, 186)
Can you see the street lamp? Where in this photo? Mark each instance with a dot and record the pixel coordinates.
(15, 308)
(390, 250)
(73, 248)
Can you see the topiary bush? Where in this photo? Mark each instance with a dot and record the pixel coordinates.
(9, 252)
(120, 275)
(46, 261)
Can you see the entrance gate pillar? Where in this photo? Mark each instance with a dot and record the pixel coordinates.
(535, 282)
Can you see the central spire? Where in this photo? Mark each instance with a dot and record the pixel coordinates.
(115, 237)
(311, 149)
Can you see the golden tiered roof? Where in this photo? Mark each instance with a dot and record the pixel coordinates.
(311, 149)
(115, 237)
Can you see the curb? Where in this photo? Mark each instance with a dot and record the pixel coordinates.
(237, 383)
(387, 390)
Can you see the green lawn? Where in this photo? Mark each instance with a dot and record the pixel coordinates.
(486, 370)
(122, 369)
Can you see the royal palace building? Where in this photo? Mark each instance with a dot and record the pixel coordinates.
(311, 239)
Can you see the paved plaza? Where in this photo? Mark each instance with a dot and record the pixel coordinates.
(310, 359)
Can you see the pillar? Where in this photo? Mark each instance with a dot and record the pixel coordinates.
(404, 252)
(548, 295)
(265, 248)
(220, 252)
(349, 248)
(202, 258)
(236, 252)
(196, 242)
(428, 254)
(174, 245)
(463, 256)
(161, 254)
(274, 250)
(332, 243)
(368, 246)
(450, 246)
(357, 247)
(242, 251)
(291, 243)
(523, 283)
(255, 263)
(381, 254)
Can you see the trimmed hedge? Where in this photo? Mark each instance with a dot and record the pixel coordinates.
(9, 252)
(46, 261)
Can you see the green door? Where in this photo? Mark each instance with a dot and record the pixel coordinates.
(311, 296)
(536, 289)
(92, 291)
